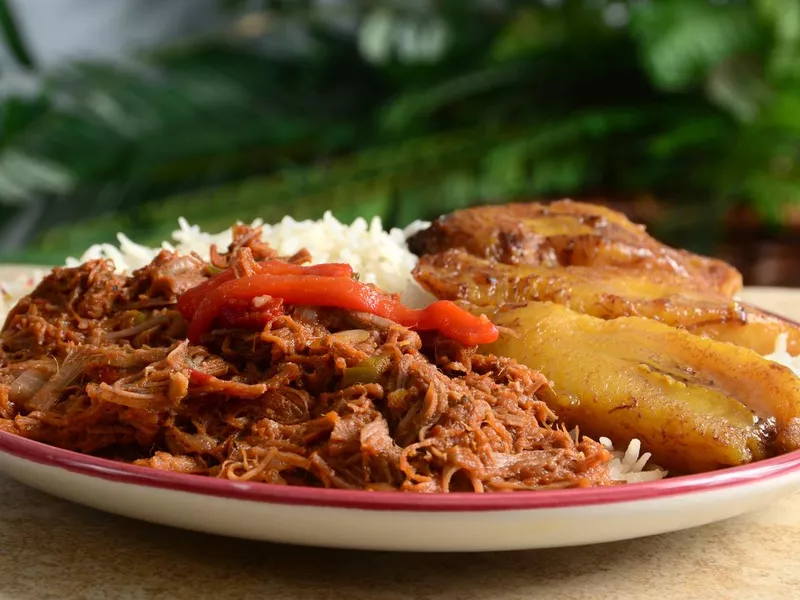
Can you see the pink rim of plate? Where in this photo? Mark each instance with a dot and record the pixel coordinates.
(110, 470)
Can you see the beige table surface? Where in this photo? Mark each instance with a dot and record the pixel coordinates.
(53, 549)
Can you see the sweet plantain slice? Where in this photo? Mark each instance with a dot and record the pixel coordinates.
(607, 293)
(568, 233)
(695, 403)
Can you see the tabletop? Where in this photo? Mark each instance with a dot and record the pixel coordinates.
(54, 549)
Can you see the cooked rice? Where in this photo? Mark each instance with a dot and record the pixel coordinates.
(782, 356)
(379, 256)
(630, 465)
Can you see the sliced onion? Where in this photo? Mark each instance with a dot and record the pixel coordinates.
(26, 385)
(353, 336)
(116, 395)
(46, 397)
(140, 328)
(362, 318)
(140, 357)
(306, 313)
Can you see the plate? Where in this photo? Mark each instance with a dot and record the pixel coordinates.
(395, 521)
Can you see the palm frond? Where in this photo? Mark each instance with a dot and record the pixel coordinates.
(194, 120)
(417, 178)
(13, 37)
(402, 112)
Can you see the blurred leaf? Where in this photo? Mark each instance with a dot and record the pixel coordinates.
(419, 104)
(784, 15)
(738, 86)
(206, 125)
(783, 113)
(529, 30)
(19, 173)
(707, 132)
(552, 175)
(16, 114)
(12, 36)
(364, 183)
(773, 195)
(533, 29)
(681, 40)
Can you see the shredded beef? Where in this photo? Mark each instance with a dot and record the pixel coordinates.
(96, 362)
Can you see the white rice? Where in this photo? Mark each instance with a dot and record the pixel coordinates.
(630, 465)
(379, 256)
(782, 356)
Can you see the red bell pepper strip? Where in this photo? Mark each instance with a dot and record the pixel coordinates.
(190, 299)
(242, 313)
(347, 294)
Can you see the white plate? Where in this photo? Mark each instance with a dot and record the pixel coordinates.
(406, 521)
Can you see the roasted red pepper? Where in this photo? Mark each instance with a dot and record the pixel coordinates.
(242, 313)
(339, 292)
(190, 299)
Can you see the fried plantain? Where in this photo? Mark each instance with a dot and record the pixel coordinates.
(695, 403)
(606, 293)
(568, 233)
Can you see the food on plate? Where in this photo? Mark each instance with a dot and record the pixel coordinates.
(568, 233)
(694, 403)
(640, 341)
(606, 293)
(519, 347)
(257, 367)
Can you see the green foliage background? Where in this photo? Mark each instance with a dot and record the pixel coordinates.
(411, 109)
